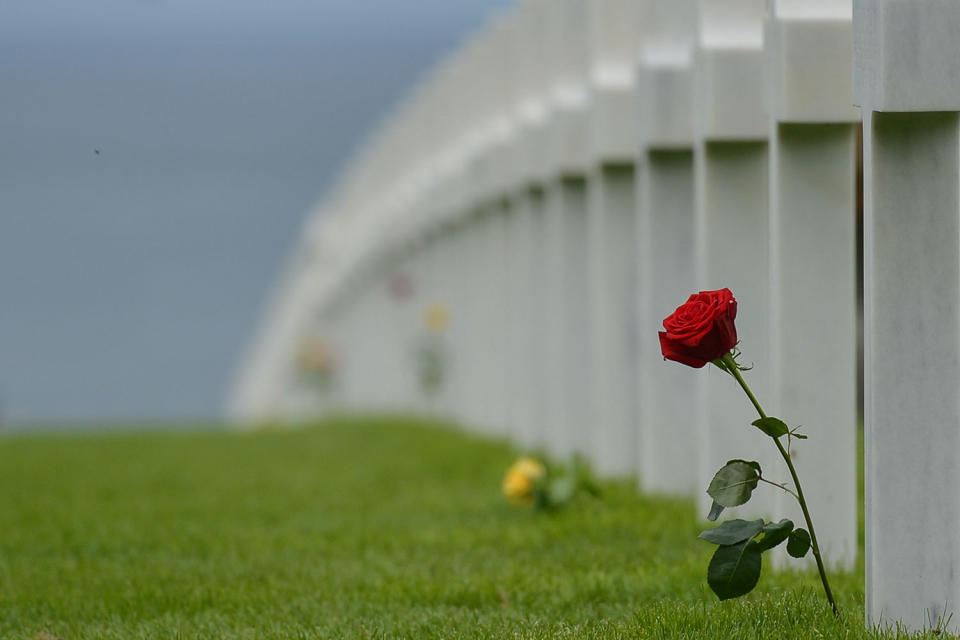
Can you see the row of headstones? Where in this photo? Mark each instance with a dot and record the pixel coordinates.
(560, 197)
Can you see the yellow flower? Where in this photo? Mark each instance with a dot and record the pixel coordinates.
(436, 316)
(315, 356)
(531, 467)
(520, 482)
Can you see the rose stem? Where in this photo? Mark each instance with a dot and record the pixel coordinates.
(777, 484)
(731, 365)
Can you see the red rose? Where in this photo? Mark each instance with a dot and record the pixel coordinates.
(701, 329)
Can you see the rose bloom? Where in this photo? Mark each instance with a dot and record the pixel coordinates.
(521, 480)
(701, 329)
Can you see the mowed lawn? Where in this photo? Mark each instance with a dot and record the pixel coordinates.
(354, 529)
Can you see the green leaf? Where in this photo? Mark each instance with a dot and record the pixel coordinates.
(715, 511)
(798, 436)
(799, 543)
(732, 532)
(583, 477)
(734, 483)
(540, 499)
(735, 569)
(560, 490)
(774, 533)
(773, 427)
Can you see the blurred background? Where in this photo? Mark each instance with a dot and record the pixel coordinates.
(157, 159)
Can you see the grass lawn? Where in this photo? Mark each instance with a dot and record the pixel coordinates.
(354, 529)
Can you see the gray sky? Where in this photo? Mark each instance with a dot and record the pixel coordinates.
(131, 280)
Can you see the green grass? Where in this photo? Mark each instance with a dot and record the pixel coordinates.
(354, 529)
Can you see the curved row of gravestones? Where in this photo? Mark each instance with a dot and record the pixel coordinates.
(556, 195)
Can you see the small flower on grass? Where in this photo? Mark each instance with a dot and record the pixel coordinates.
(528, 483)
(431, 352)
(316, 356)
(436, 317)
(522, 481)
(317, 363)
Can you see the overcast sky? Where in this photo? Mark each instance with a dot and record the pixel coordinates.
(157, 158)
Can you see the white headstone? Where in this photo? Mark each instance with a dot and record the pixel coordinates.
(531, 88)
(669, 438)
(907, 81)
(813, 156)
(566, 222)
(611, 233)
(732, 214)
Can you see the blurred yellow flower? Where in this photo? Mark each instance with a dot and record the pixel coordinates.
(520, 482)
(531, 467)
(315, 356)
(436, 316)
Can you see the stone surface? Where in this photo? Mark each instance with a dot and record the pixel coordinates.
(669, 412)
(813, 297)
(668, 445)
(810, 67)
(555, 293)
(906, 80)
(905, 55)
(611, 222)
(912, 350)
(733, 248)
(732, 229)
(577, 340)
(613, 318)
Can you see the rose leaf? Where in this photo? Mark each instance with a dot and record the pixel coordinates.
(799, 543)
(733, 484)
(774, 533)
(773, 427)
(732, 532)
(735, 569)
(715, 511)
